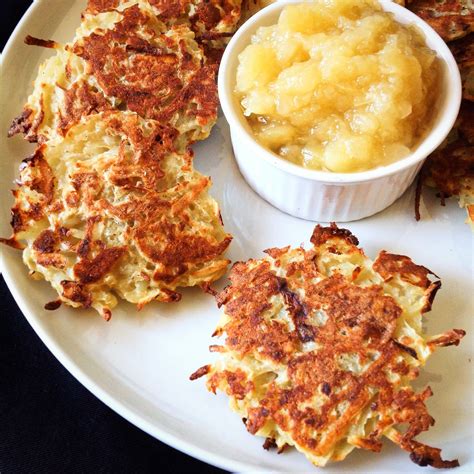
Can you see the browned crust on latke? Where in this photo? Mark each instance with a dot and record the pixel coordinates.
(199, 90)
(91, 270)
(204, 370)
(170, 79)
(171, 10)
(430, 294)
(28, 124)
(451, 168)
(79, 101)
(451, 19)
(359, 321)
(76, 292)
(99, 6)
(463, 51)
(245, 306)
(298, 311)
(46, 242)
(20, 124)
(269, 443)
(238, 385)
(322, 234)
(465, 121)
(449, 338)
(208, 14)
(388, 265)
(43, 184)
(407, 349)
(32, 41)
(448, 167)
(207, 288)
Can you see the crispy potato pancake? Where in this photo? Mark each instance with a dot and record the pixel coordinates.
(451, 168)
(452, 19)
(113, 209)
(159, 73)
(321, 346)
(127, 60)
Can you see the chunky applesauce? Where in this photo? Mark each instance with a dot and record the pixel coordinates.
(338, 85)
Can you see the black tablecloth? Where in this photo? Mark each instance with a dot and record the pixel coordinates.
(49, 423)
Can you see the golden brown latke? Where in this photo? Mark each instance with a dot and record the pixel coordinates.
(127, 60)
(321, 346)
(452, 19)
(159, 73)
(114, 209)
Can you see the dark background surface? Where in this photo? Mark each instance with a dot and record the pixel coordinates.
(49, 423)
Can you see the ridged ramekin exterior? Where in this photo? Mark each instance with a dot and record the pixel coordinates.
(317, 201)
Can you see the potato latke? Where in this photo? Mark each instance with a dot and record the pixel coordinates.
(127, 60)
(321, 346)
(113, 209)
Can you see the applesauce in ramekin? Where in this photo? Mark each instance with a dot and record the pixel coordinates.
(338, 85)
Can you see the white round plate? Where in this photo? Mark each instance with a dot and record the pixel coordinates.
(139, 363)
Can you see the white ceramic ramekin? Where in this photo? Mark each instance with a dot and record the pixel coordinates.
(324, 196)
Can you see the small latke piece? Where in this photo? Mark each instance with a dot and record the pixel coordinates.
(451, 19)
(321, 347)
(127, 60)
(114, 210)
